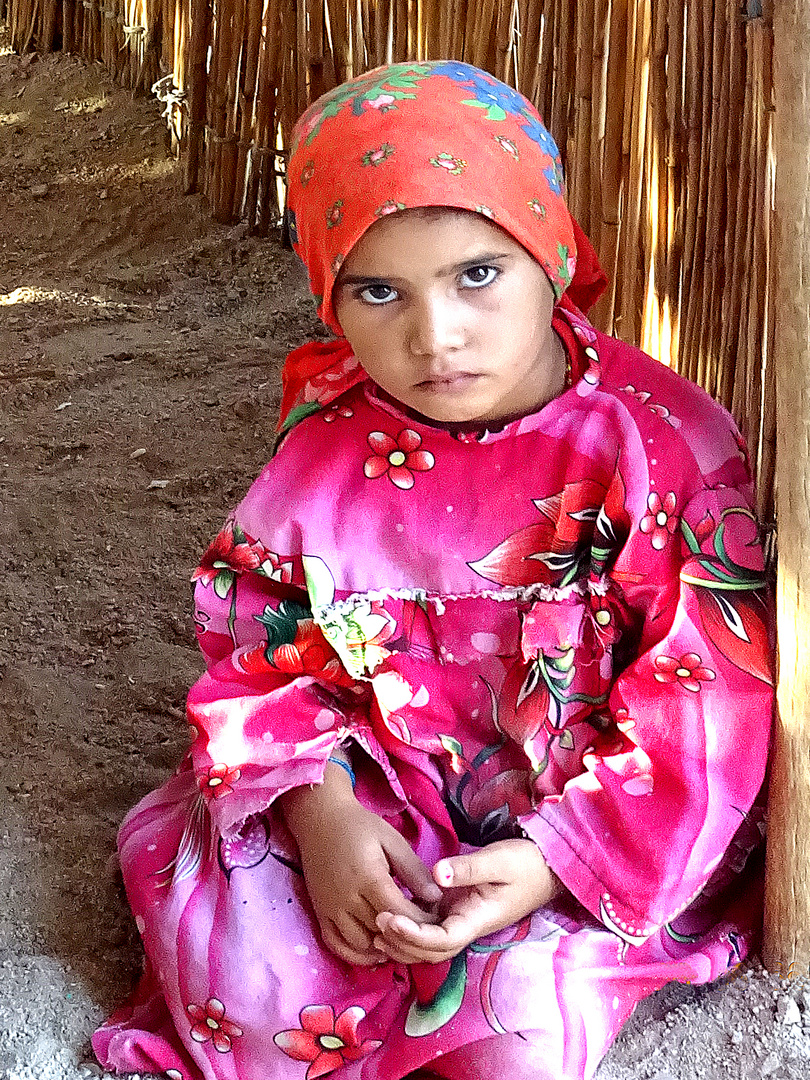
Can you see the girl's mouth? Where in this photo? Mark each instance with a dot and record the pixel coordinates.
(457, 380)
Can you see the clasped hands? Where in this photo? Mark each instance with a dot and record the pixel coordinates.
(358, 871)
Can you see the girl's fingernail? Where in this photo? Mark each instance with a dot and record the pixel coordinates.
(444, 874)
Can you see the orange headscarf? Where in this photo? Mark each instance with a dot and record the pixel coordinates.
(413, 135)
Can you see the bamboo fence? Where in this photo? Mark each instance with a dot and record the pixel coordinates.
(662, 109)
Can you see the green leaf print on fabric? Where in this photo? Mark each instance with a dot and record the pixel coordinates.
(281, 624)
(426, 1017)
(494, 112)
(382, 94)
(299, 413)
(223, 582)
(320, 583)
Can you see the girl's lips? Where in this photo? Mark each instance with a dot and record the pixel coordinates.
(457, 381)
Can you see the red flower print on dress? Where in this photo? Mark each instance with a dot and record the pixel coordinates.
(211, 1025)
(554, 551)
(688, 671)
(307, 173)
(731, 596)
(327, 1043)
(309, 654)
(660, 522)
(275, 569)
(219, 781)
(398, 458)
(231, 550)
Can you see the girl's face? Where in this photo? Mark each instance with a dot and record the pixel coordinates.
(451, 316)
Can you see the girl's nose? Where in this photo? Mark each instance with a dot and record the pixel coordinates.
(436, 327)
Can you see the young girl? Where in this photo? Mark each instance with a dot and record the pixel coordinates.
(476, 757)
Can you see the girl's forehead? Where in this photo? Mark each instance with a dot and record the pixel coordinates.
(436, 239)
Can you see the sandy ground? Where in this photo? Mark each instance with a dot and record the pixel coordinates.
(139, 351)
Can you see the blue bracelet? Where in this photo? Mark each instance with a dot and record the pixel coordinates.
(344, 765)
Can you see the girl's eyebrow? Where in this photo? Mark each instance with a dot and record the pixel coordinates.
(484, 258)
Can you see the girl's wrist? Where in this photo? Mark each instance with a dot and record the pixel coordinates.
(301, 806)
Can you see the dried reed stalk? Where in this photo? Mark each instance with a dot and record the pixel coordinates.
(630, 283)
(68, 15)
(338, 21)
(245, 121)
(504, 39)
(48, 17)
(562, 64)
(613, 165)
(381, 16)
(220, 49)
(197, 82)
(482, 33)
(400, 31)
(765, 461)
(711, 200)
(226, 194)
(444, 30)
(748, 390)
(675, 167)
(261, 188)
(289, 109)
(529, 56)
(579, 169)
(599, 51)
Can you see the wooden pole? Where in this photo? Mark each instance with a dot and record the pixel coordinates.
(787, 890)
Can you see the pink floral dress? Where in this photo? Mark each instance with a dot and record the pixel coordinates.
(558, 627)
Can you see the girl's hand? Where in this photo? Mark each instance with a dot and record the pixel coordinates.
(485, 891)
(352, 860)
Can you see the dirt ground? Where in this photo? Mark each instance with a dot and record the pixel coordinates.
(139, 351)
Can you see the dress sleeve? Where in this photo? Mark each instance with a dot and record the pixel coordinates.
(275, 698)
(639, 832)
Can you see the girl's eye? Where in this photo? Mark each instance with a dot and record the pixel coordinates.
(478, 276)
(376, 294)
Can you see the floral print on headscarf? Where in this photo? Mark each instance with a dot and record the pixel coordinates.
(431, 134)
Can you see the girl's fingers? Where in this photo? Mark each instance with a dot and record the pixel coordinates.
(427, 938)
(336, 942)
(400, 956)
(352, 931)
(410, 870)
(478, 868)
(411, 956)
(500, 863)
(385, 895)
(366, 914)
